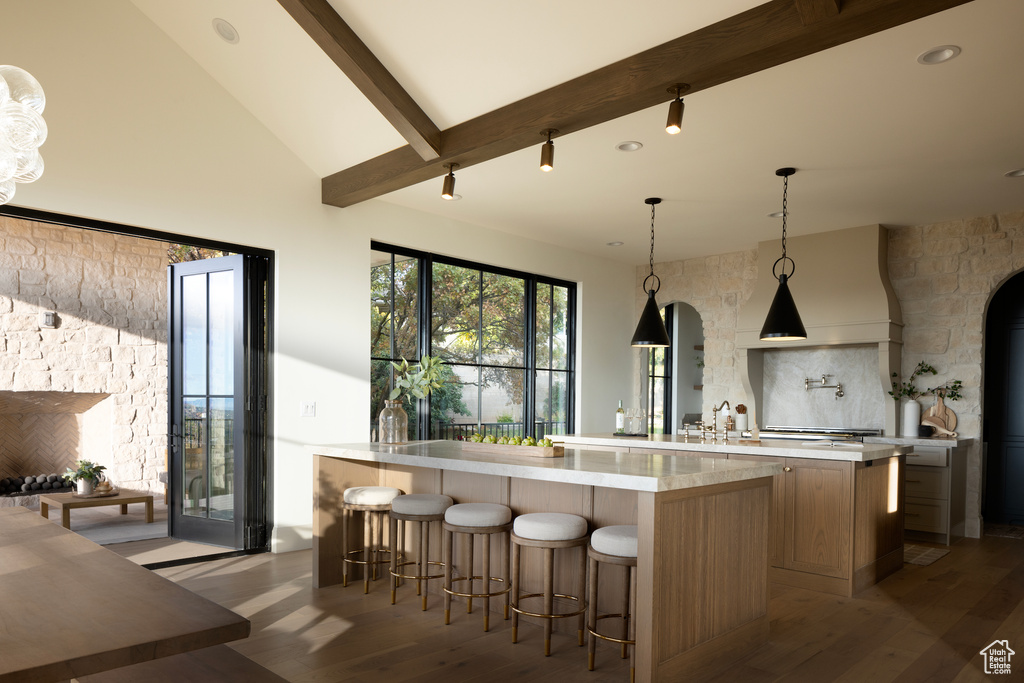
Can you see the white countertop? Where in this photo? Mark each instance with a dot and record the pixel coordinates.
(940, 442)
(632, 471)
(785, 448)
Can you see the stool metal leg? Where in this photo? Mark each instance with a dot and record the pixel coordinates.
(581, 590)
(592, 612)
(447, 539)
(632, 626)
(627, 613)
(549, 596)
(367, 550)
(487, 581)
(346, 520)
(393, 529)
(424, 560)
(467, 569)
(515, 592)
(507, 554)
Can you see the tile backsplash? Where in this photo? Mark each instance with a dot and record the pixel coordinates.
(788, 404)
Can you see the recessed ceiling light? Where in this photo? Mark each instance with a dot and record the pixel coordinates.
(1015, 173)
(938, 55)
(629, 146)
(225, 31)
(775, 214)
(615, 244)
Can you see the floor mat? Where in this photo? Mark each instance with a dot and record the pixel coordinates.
(920, 555)
(1004, 530)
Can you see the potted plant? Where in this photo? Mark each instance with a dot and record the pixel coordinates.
(410, 380)
(912, 408)
(87, 474)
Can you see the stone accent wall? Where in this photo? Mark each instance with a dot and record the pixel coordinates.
(945, 275)
(110, 296)
(716, 286)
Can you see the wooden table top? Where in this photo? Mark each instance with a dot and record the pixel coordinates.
(71, 607)
(121, 497)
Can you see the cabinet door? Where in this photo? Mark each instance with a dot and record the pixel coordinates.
(776, 525)
(819, 503)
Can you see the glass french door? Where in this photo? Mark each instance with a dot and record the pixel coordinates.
(216, 421)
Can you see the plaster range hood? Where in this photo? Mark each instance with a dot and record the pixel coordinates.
(842, 290)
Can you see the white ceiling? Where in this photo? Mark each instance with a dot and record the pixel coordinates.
(877, 137)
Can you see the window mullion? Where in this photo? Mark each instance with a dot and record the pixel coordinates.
(529, 357)
(424, 320)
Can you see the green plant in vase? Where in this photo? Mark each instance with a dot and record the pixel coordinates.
(411, 381)
(87, 474)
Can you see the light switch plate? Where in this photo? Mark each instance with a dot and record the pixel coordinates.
(307, 409)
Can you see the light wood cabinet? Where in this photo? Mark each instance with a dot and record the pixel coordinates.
(936, 493)
(936, 487)
(836, 525)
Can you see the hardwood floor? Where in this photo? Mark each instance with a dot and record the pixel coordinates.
(920, 624)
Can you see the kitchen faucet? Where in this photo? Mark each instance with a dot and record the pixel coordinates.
(714, 420)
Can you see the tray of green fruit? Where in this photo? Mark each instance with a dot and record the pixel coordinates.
(513, 445)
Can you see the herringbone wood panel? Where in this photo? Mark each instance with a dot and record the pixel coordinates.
(37, 443)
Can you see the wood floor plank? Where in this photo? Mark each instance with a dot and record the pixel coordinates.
(921, 623)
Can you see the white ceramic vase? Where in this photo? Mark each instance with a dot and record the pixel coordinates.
(911, 418)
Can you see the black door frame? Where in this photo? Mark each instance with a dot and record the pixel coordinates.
(259, 416)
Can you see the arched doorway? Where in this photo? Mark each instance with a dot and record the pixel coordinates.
(1004, 405)
(673, 377)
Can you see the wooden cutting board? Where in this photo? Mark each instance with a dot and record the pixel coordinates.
(942, 413)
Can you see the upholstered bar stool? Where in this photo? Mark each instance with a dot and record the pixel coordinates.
(471, 520)
(613, 545)
(374, 502)
(420, 509)
(549, 531)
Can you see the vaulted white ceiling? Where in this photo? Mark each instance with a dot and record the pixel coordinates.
(876, 136)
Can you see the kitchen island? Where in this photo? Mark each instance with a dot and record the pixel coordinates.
(702, 570)
(837, 507)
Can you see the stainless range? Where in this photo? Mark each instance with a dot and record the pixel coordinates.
(815, 434)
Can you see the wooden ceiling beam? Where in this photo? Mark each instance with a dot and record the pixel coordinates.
(768, 35)
(812, 11)
(343, 46)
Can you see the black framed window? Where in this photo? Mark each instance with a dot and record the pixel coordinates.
(506, 337)
(659, 394)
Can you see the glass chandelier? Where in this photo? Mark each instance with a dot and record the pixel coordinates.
(22, 129)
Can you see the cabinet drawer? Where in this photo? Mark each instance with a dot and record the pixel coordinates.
(933, 456)
(926, 515)
(927, 482)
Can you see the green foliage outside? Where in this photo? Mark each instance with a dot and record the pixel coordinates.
(180, 253)
(477, 326)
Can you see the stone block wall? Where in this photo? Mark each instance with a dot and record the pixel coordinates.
(716, 287)
(944, 276)
(110, 296)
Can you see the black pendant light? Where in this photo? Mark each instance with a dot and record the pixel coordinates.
(650, 331)
(783, 322)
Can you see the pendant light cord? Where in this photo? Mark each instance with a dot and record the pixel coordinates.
(785, 173)
(657, 280)
(785, 211)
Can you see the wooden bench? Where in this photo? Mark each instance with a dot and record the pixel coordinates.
(66, 502)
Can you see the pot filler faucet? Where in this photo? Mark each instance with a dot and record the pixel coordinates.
(814, 384)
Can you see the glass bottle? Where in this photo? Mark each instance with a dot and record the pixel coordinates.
(620, 419)
(393, 423)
